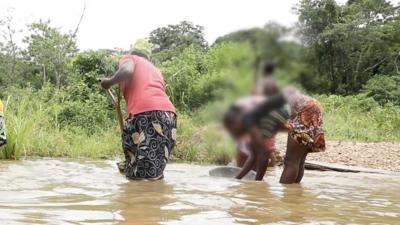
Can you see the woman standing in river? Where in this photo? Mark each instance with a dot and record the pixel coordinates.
(149, 132)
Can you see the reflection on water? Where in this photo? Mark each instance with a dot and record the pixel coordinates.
(70, 192)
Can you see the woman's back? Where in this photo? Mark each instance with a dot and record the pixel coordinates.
(146, 91)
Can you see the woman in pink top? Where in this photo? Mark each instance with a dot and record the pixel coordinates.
(150, 130)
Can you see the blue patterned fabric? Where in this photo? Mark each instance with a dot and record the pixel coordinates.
(3, 139)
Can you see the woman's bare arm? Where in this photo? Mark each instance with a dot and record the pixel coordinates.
(248, 165)
(124, 72)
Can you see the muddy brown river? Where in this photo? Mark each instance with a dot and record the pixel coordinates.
(88, 192)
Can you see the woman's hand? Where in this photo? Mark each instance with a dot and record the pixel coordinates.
(248, 165)
(105, 83)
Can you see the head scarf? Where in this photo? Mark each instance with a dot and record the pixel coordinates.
(143, 46)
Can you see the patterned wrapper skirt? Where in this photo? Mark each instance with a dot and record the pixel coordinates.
(307, 127)
(148, 139)
(3, 139)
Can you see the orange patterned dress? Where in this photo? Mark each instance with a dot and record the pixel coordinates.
(306, 124)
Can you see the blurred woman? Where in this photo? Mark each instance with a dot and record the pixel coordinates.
(291, 109)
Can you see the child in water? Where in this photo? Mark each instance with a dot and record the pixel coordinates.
(291, 109)
(245, 105)
(3, 140)
(265, 86)
(239, 122)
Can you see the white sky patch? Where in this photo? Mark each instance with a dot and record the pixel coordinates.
(117, 23)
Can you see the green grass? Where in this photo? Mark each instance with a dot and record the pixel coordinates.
(202, 143)
(33, 130)
(360, 118)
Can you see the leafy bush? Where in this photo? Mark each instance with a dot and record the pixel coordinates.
(36, 128)
(85, 104)
(199, 76)
(383, 89)
(202, 142)
(360, 118)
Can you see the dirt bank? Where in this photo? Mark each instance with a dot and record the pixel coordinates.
(377, 155)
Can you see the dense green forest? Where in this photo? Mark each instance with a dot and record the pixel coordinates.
(346, 56)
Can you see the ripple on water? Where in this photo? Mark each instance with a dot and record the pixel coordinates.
(72, 192)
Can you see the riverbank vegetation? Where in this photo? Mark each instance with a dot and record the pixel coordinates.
(347, 58)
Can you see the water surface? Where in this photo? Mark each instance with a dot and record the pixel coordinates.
(71, 192)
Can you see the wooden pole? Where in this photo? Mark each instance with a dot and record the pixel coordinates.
(117, 104)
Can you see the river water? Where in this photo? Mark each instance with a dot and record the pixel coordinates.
(88, 192)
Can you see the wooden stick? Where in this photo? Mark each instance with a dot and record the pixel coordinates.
(114, 101)
(117, 104)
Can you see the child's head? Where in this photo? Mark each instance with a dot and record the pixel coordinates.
(268, 84)
(268, 69)
(233, 121)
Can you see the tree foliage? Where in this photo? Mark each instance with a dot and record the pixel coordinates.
(197, 76)
(270, 44)
(170, 41)
(265, 42)
(51, 50)
(13, 69)
(85, 102)
(349, 44)
(383, 89)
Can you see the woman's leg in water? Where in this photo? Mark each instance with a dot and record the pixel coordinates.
(272, 159)
(295, 154)
(301, 168)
